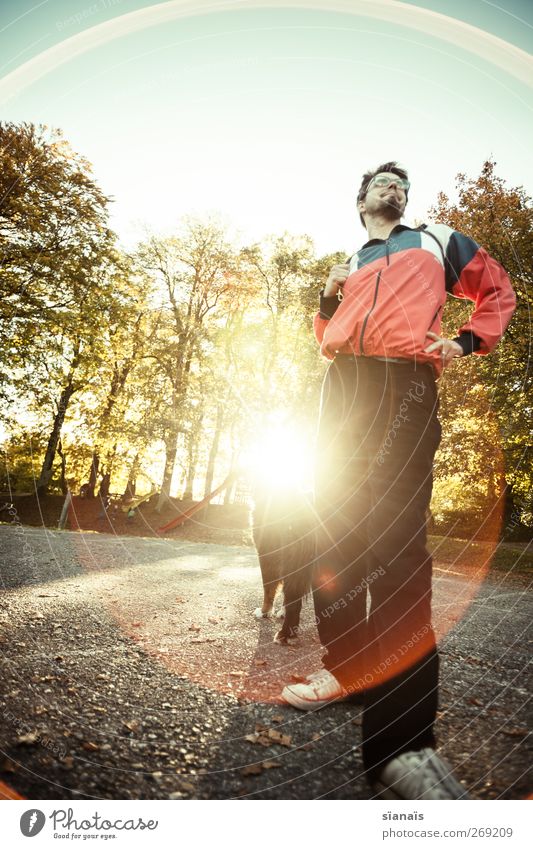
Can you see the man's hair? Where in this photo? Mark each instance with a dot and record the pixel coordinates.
(393, 167)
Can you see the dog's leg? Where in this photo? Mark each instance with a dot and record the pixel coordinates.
(295, 587)
(288, 633)
(269, 594)
(270, 585)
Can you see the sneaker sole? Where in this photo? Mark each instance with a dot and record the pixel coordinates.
(454, 791)
(305, 704)
(382, 791)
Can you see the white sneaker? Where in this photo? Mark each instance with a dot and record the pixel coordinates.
(322, 689)
(418, 775)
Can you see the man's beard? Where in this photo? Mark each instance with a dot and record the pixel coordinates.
(391, 207)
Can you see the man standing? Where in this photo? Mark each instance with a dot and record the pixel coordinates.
(379, 324)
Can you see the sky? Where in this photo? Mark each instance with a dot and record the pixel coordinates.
(268, 113)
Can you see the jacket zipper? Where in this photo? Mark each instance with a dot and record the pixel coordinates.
(365, 322)
(433, 319)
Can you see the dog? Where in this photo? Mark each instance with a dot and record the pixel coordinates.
(283, 528)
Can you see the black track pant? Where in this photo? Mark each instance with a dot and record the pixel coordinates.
(378, 434)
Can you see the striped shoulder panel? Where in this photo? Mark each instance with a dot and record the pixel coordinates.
(435, 239)
(403, 241)
(460, 252)
(441, 232)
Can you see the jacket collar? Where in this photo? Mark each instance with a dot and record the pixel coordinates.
(397, 229)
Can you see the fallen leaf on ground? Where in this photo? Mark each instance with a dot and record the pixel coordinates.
(252, 769)
(90, 747)
(260, 739)
(516, 732)
(266, 736)
(28, 739)
(282, 739)
(132, 725)
(194, 628)
(260, 663)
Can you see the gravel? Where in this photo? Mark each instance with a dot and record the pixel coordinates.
(134, 669)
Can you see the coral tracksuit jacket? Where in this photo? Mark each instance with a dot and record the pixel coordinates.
(396, 290)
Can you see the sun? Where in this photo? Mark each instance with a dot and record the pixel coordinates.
(279, 457)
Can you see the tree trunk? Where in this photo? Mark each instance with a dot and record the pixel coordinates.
(191, 473)
(105, 485)
(192, 462)
(118, 381)
(51, 448)
(63, 479)
(192, 441)
(131, 486)
(214, 450)
(511, 513)
(93, 477)
(230, 493)
(171, 446)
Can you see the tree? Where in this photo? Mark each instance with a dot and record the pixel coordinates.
(57, 254)
(501, 220)
(53, 230)
(281, 271)
(195, 274)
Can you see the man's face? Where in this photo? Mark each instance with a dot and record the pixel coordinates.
(385, 197)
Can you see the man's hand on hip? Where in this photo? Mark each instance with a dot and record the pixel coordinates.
(449, 349)
(336, 280)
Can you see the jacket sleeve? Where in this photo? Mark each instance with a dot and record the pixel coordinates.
(471, 273)
(322, 317)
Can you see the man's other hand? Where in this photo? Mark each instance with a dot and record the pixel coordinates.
(449, 349)
(336, 280)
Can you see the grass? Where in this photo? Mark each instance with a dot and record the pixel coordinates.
(504, 556)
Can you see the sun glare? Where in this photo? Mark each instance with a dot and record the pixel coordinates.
(280, 457)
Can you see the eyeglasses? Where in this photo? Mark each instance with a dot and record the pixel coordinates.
(382, 180)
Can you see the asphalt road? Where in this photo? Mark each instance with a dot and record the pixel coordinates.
(133, 668)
